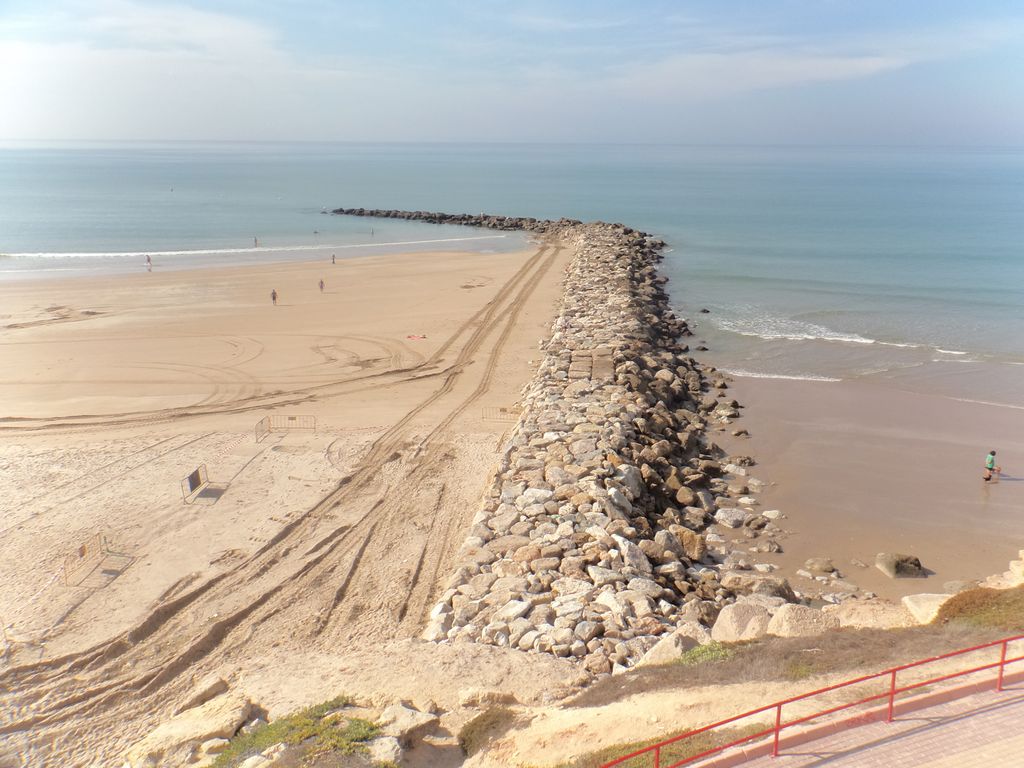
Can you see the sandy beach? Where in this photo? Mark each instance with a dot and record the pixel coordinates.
(311, 561)
(308, 546)
(859, 468)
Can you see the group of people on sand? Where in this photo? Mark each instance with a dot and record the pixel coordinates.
(322, 285)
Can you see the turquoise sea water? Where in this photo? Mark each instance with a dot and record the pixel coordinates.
(896, 263)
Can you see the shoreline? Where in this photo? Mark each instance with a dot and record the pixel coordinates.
(882, 469)
(77, 265)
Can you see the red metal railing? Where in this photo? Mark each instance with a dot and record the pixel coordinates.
(892, 689)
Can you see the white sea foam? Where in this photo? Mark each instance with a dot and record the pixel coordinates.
(263, 249)
(987, 402)
(776, 328)
(949, 351)
(789, 377)
(900, 346)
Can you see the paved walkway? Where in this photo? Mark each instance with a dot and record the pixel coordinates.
(983, 729)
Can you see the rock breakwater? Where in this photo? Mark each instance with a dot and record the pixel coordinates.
(485, 220)
(599, 537)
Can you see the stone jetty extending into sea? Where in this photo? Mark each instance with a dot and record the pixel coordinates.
(597, 539)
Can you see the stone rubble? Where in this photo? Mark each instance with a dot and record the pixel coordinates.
(614, 525)
(593, 542)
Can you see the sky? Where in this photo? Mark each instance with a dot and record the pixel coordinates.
(846, 72)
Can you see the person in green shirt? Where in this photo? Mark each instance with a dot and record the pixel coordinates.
(991, 470)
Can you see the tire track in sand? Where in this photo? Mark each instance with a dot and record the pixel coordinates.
(89, 706)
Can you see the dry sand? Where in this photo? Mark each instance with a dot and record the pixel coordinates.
(859, 468)
(316, 553)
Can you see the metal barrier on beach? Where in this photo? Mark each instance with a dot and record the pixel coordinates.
(666, 754)
(269, 424)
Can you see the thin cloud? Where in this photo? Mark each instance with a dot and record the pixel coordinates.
(123, 69)
(539, 23)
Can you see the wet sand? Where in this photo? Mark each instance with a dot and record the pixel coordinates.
(860, 469)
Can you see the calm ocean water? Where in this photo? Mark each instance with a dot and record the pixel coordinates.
(898, 264)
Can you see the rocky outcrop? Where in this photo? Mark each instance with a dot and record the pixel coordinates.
(177, 740)
(924, 607)
(899, 566)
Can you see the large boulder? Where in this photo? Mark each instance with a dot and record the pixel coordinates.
(694, 630)
(752, 582)
(897, 566)
(925, 607)
(668, 649)
(385, 749)
(174, 741)
(405, 723)
(740, 622)
(870, 614)
(800, 621)
(731, 518)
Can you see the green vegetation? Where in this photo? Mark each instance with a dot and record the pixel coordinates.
(320, 729)
(488, 725)
(705, 654)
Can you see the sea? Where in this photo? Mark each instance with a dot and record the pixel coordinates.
(903, 266)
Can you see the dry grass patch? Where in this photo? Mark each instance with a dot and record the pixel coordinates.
(673, 753)
(970, 618)
(794, 659)
(1001, 609)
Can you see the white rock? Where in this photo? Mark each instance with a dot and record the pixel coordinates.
(740, 622)
(385, 749)
(632, 555)
(800, 621)
(512, 610)
(667, 650)
(618, 498)
(695, 631)
(731, 518)
(219, 718)
(405, 723)
(870, 614)
(571, 586)
(924, 607)
(631, 478)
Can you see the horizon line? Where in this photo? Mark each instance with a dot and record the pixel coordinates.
(4, 143)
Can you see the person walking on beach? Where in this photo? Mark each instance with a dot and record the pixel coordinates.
(321, 285)
(991, 470)
(273, 296)
(332, 258)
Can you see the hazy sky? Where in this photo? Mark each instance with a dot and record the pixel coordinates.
(718, 71)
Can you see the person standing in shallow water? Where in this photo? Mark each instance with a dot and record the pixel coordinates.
(273, 296)
(991, 470)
